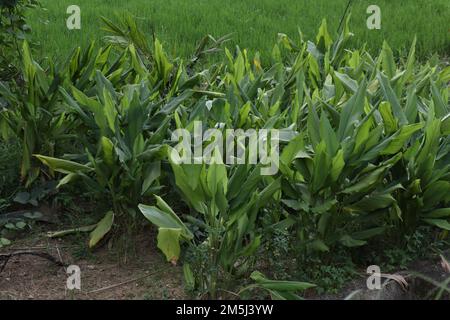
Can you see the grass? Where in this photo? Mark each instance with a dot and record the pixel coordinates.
(180, 24)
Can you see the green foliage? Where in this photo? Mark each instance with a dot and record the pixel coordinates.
(279, 290)
(370, 138)
(364, 150)
(277, 251)
(123, 162)
(125, 112)
(226, 218)
(13, 30)
(418, 246)
(330, 278)
(15, 224)
(9, 167)
(33, 114)
(36, 194)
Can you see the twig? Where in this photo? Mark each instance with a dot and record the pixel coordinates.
(229, 292)
(59, 255)
(43, 255)
(30, 248)
(122, 283)
(4, 264)
(42, 247)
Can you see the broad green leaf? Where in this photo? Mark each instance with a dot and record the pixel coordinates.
(400, 138)
(440, 223)
(373, 202)
(314, 71)
(337, 165)
(440, 105)
(390, 123)
(108, 150)
(323, 38)
(67, 179)
(291, 150)
(318, 245)
(445, 126)
(266, 195)
(366, 182)
(22, 197)
(295, 204)
(348, 241)
(283, 295)
(63, 166)
(388, 63)
(152, 173)
(164, 217)
(163, 66)
(325, 206)
(4, 242)
(362, 136)
(216, 178)
(313, 124)
(169, 243)
(349, 83)
(426, 157)
(194, 197)
(109, 110)
(322, 165)
(410, 62)
(94, 107)
(411, 108)
(62, 233)
(369, 233)
(439, 213)
(188, 276)
(261, 280)
(392, 98)
(193, 171)
(102, 228)
(328, 135)
(351, 111)
(251, 248)
(436, 193)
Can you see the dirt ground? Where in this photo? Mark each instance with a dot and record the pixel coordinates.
(148, 276)
(421, 281)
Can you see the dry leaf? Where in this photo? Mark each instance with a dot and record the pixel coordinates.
(397, 278)
(445, 265)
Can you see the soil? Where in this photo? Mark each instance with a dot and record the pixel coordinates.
(421, 282)
(103, 276)
(147, 275)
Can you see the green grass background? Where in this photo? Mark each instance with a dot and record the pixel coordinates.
(180, 24)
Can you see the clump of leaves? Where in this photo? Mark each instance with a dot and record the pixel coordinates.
(13, 30)
(123, 164)
(15, 224)
(226, 216)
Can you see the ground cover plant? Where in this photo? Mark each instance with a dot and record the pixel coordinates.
(359, 137)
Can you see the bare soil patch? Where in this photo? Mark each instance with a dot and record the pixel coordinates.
(146, 276)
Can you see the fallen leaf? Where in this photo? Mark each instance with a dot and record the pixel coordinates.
(397, 278)
(445, 265)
